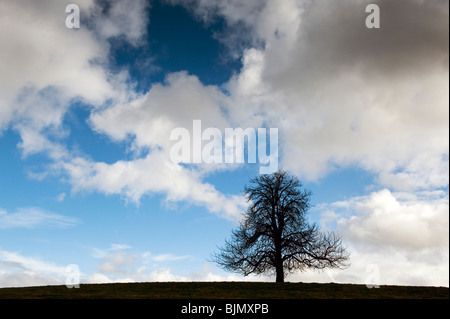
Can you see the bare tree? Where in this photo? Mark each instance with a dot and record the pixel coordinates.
(275, 237)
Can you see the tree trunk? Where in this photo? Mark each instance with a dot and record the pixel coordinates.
(280, 272)
(278, 259)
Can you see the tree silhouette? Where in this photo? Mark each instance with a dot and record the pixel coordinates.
(274, 237)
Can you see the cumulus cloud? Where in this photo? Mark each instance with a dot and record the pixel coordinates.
(120, 263)
(178, 101)
(405, 235)
(384, 219)
(18, 271)
(40, 53)
(44, 68)
(343, 94)
(45, 65)
(340, 93)
(155, 173)
(121, 18)
(40, 85)
(375, 99)
(149, 121)
(163, 275)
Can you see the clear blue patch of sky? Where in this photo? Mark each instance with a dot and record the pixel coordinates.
(84, 141)
(233, 181)
(175, 42)
(18, 187)
(339, 185)
(342, 184)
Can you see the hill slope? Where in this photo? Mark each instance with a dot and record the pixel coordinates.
(224, 290)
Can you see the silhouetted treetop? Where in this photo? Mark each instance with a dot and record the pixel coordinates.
(274, 237)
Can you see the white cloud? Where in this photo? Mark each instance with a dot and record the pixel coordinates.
(388, 267)
(61, 197)
(384, 220)
(404, 234)
(343, 95)
(34, 217)
(127, 18)
(119, 247)
(19, 271)
(16, 260)
(165, 257)
(39, 52)
(44, 65)
(325, 121)
(119, 264)
(153, 174)
(161, 275)
(149, 119)
(101, 253)
(40, 84)
(120, 261)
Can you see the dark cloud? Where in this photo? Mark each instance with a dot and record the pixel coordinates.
(413, 39)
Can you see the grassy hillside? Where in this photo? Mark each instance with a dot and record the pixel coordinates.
(224, 290)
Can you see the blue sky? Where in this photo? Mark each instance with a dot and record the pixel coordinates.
(86, 115)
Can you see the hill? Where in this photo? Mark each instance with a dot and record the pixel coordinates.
(224, 290)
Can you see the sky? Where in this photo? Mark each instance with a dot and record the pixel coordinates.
(86, 114)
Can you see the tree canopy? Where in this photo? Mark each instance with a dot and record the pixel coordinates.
(274, 236)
